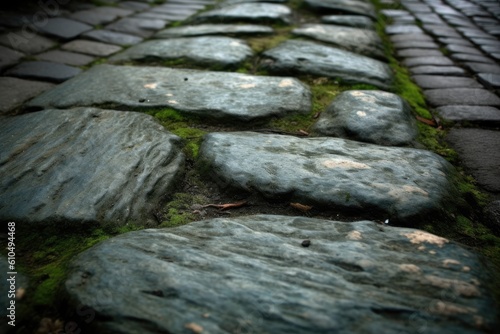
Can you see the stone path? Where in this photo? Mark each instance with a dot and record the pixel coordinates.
(80, 143)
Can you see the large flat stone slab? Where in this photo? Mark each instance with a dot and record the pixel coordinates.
(247, 12)
(219, 95)
(43, 70)
(294, 56)
(370, 116)
(359, 7)
(85, 165)
(251, 275)
(214, 29)
(461, 96)
(207, 50)
(112, 37)
(470, 113)
(64, 28)
(444, 81)
(14, 92)
(331, 172)
(9, 57)
(136, 26)
(356, 21)
(362, 41)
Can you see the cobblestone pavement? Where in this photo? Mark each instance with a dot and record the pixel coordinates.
(266, 145)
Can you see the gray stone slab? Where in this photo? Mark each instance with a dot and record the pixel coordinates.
(250, 274)
(43, 70)
(221, 95)
(441, 31)
(33, 45)
(394, 12)
(134, 5)
(247, 12)
(14, 92)
(410, 37)
(361, 41)
(397, 29)
(471, 32)
(478, 151)
(461, 96)
(207, 50)
(419, 53)
(483, 68)
(135, 26)
(9, 57)
(418, 61)
(409, 44)
(312, 58)
(94, 16)
(85, 165)
(214, 29)
(490, 80)
(430, 69)
(485, 41)
(444, 81)
(64, 57)
(403, 20)
(456, 41)
(490, 48)
(64, 28)
(358, 7)
(355, 21)
(453, 48)
(330, 172)
(429, 18)
(369, 116)
(469, 113)
(112, 37)
(161, 16)
(91, 48)
(465, 57)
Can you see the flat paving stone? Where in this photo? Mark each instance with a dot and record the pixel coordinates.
(112, 37)
(489, 79)
(91, 48)
(64, 28)
(441, 31)
(469, 113)
(358, 7)
(410, 37)
(461, 96)
(445, 81)
(43, 70)
(330, 172)
(416, 44)
(214, 29)
(465, 57)
(250, 274)
(430, 69)
(473, 146)
(247, 12)
(65, 57)
(355, 21)
(208, 50)
(456, 41)
(33, 45)
(94, 16)
(14, 92)
(418, 61)
(396, 29)
(135, 26)
(9, 57)
(394, 12)
(85, 165)
(483, 68)
(453, 48)
(220, 95)
(361, 41)
(369, 116)
(312, 58)
(134, 5)
(419, 53)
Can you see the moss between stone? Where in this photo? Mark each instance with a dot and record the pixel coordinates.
(262, 43)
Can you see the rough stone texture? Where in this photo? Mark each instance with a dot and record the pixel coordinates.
(419, 53)
(489, 79)
(471, 58)
(473, 145)
(331, 172)
(483, 68)
(251, 275)
(207, 50)
(410, 37)
(33, 45)
(463, 96)
(416, 44)
(210, 94)
(492, 213)
(418, 61)
(69, 58)
(100, 15)
(136, 26)
(441, 81)
(14, 92)
(369, 116)
(85, 165)
(249, 12)
(347, 6)
(8, 57)
(112, 37)
(356, 21)
(91, 48)
(214, 29)
(470, 113)
(454, 48)
(362, 41)
(430, 69)
(397, 29)
(64, 28)
(44, 70)
(313, 58)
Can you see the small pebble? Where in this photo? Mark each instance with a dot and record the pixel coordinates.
(306, 243)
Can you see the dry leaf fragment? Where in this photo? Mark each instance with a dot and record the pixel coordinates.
(195, 328)
(316, 115)
(304, 133)
(301, 207)
(430, 122)
(226, 206)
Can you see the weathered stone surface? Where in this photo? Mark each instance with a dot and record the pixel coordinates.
(471, 58)
(430, 69)
(136, 26)
(347, 6)
(473, 145)
(33, 45)
(418, 61)
(8, 57)
(442, 81)
(64, 28)
(209, 94)
(396, 29)
(489, 79)
(461, 96)
(133, 5)
(416, 44)
(356, 21)
(457, 48)
(85, 165)
(214, 29)
(247, 12)
(410, 37)
(112, 37)
(483, 68)
(251, 275)
(419, 53)
(362, 41)
(369, 116)
(208, 50)
(91, 48)
(313, 58)
(14, 92)
(470, 113)
(330, 172)
(43, 70)
(69, 58)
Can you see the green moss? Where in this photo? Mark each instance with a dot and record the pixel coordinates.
(263, 43)
(323, 91)
(178, 210)
(193, 138)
